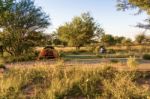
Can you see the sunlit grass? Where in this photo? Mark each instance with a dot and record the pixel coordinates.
(64, 82)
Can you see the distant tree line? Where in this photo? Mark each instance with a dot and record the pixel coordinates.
(22, 24)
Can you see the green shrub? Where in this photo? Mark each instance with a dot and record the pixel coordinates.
(111, 51)
(62, 54)
(75, 52)
(36, 53)
(27, 57)
(2, 66)
(114, 60)
(146, 56)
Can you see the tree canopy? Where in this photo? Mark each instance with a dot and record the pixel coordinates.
(108, 39)
(142, 5)
(21, 22)
(81, 30)
(6, 5)
(140, 38)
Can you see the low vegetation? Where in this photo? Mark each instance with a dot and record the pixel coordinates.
(61, 82)
(146, 56)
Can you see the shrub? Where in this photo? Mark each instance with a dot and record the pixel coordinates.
(91, 48)
(111, 51)
(146, 56)
(114, 60)
(61, 54)
(36, 53)
(96, 50)
(2, 66)
(132, 63)
(27, 57)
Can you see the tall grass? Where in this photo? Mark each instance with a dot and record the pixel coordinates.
(61, 82)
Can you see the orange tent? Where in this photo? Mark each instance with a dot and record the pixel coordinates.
(48, 53)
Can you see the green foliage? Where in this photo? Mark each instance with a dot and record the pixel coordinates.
(118, 40)
(2, 63)
(21, 58)
(114, 60)
(62, 54)
(108, 39)
(127, 42)
(140, 38)
(79, 31)
(111, 51)
(143, 5)
(2, 66)
(21, 25)
(5, 5)
(146, 56)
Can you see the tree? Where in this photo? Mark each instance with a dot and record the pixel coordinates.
(145, 25)
(79, 31)
(108, 39)
(142, 5)
(140, 38)
(127, 42)
(118, 40)
(5, 5)
(22, 25)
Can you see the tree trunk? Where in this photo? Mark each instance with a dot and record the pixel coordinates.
(77, 48)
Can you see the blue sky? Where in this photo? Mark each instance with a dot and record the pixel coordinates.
(104, 11)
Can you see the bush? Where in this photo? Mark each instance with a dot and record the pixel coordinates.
(132, 63)
(111, 51)
(27, 57)
(90, 47)
(114, 60)
(146, 56)
(62, 54)
(36, 53)
(2, 66)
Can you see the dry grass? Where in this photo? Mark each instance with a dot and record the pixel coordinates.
(80, 81)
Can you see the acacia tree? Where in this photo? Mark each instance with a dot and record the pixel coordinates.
(79, 31)
(108, 39)
(140, 38)
(142, 5)
(118, 40)
(5, 5)
(22, 25)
